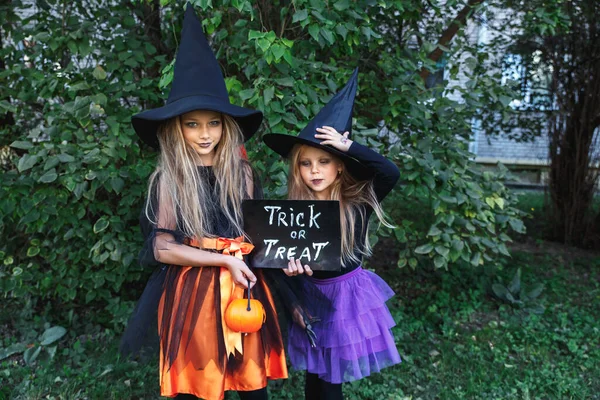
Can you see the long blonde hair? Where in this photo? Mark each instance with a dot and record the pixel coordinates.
(353, 195)
(184, 198)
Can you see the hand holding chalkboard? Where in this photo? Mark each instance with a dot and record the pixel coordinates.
(295, 267)
(307, 230)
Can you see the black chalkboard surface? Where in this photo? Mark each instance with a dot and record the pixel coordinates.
(308, 230)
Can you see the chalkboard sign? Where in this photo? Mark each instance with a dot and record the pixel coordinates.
(308, 230)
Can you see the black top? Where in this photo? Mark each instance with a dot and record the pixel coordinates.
(386, 176)
(218, 221)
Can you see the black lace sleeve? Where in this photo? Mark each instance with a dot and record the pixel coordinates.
(151, 229)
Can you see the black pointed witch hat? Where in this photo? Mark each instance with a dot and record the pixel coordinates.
(198, 84)
(337, 113)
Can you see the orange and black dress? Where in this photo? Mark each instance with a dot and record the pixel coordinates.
(199, 354)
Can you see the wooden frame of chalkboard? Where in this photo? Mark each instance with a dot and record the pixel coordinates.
(308, 230)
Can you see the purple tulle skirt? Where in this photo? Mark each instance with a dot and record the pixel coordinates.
(354, 337)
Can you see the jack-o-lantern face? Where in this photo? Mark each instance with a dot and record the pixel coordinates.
(245, 316)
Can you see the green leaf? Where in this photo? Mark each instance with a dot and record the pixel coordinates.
(149, 49)
(99, 73)
(278, 51)
(537, 289)
(476, 259)
(517, 225)
(66, 158)
(268, 94)
(91, 295)
(314, 31)
(500, 291)
(99, 99)
(515, 284)
(19, 144)
(412, 262)
(439, 262)
(253, 34)
(79, 86)
(49, 176)
(51, 351)
(503, 250)
(328, 35)
(402, 262)
(300, 16)
(12, 349)
(117, 184)
(424, 249)
(448, 199)
(7, 107)
(31, 354)
(342, 31)
(246, 94)
(537, 309)
(442, 250)
(287, 81)
(263, 44)
(434, 231)
(400, 234)
(429, 181)
(33, 251)
(27, 162)
(101, 225)
(505, 100)
(51, 162)
(52, 334)
(341, 5)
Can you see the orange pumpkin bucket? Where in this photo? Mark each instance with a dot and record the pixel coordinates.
(245, 317)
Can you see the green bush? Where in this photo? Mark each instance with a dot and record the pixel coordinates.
(70, 200)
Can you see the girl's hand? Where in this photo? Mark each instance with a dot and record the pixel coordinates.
(295, 268)
(333, 138)
(240, 272)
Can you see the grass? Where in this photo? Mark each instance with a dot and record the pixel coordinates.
(457, 342)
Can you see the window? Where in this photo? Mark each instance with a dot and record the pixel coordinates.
(533, 79)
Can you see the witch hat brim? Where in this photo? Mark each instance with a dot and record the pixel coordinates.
(146, 123)
(283, 145)
(198, 84)
(337, 113)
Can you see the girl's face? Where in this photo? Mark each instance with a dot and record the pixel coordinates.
(202, 129)
(318, 169)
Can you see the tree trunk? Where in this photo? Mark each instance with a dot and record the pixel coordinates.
(573, 128)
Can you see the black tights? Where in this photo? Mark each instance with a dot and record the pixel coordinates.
(318, 389)
(260, 394)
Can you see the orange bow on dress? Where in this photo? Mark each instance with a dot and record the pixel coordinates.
(235, 247)
(229, 290)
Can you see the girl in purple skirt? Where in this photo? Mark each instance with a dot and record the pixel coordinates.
(353, 338)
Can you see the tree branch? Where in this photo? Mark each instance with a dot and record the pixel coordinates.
(449, 34)
(8, 118)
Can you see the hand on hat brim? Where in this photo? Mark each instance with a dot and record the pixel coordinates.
(333, 138)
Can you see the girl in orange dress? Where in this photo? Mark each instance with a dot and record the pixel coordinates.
(194, 235)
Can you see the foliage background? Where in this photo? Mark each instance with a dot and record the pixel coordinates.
(73, 179)
(74, 75)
